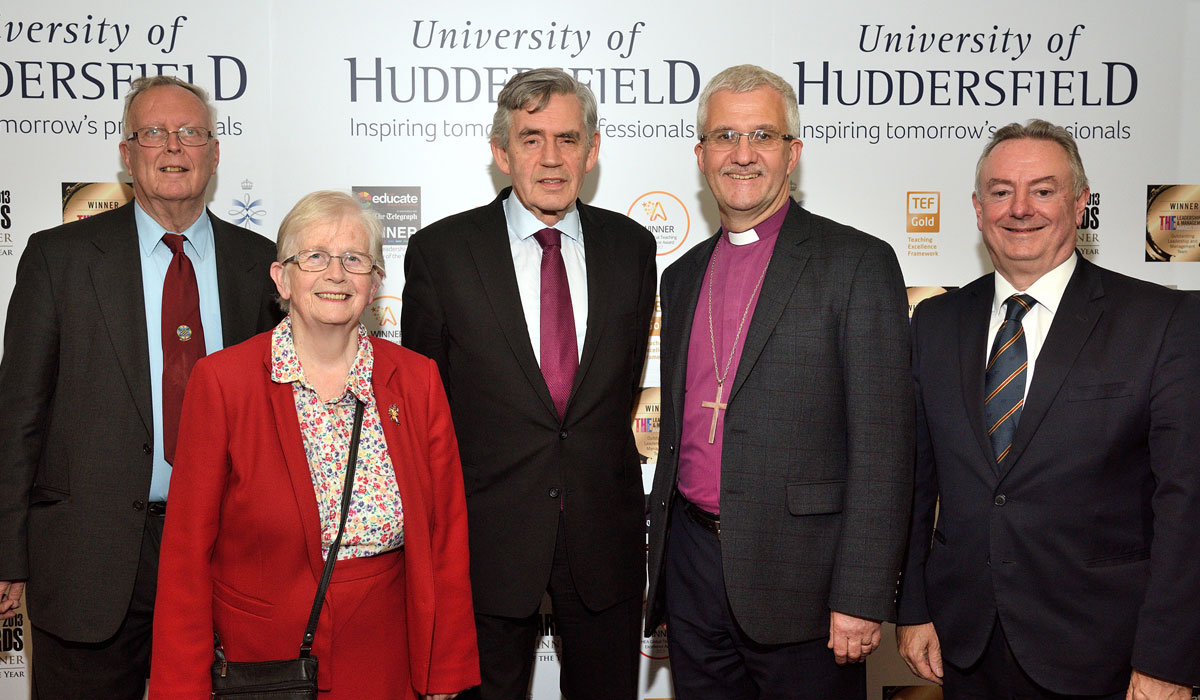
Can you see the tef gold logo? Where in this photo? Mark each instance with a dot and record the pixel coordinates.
(924, 212)
(664, 215)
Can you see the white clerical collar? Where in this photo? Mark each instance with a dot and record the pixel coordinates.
(743, 238)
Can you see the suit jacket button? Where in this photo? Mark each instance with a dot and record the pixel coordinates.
(1000, 500)
(139, 506)
(671, 449)
(562, 435)
(554, 492)
(146, 449)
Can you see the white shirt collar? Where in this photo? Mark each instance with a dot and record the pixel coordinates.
(1047, 290)
(743, 237)
(523, 224)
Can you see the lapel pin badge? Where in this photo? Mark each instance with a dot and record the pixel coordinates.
(394, 414)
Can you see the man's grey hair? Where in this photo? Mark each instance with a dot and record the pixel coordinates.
(141, 85)
(1040, 130)
(531, 91)
(745, 78)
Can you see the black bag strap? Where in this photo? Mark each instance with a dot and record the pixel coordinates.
(311, 630)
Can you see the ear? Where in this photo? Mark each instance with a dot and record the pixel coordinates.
(794, 148)
(979, 211)
(282, 285)
(124, 148)
(699, 150)
(593, 153)
(1080, 205)
(501, 157)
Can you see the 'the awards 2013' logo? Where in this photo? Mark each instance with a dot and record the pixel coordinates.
(1172, 223)
(5, 222)
(382, 318)
(83, 199)
(664, 215)
(923, 215)
(12, 647)
(1087, 236)
(248, 211)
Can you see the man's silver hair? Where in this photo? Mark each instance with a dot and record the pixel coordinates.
(531, 91)
(745, 78)
(141, 85)
(1041, 130)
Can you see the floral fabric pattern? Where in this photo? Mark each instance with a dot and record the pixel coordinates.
(375, 522)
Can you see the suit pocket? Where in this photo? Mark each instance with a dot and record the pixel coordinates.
(1092, 392)
(815, 497)
(1116, 559)
(46, 495)
(242, 602)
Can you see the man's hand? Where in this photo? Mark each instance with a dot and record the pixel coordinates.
(10, 598)
(1143, 687)
(852, 638)
(920, 649)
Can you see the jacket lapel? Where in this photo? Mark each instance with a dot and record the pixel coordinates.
(1073, 322)
(240, 281)
(783, 274)
(117, 282)
(291, 444)
(974, 316)
(600, 261)
(493, 261)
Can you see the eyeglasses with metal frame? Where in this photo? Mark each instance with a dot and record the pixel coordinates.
(157, 136)
(316, 260)
(760, 139)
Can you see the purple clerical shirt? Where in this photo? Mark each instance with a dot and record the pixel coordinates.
(738, 270)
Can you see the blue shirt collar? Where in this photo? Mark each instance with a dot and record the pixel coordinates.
(150, 232)
(523, 224)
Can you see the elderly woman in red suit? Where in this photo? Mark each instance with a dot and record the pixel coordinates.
(256, 492)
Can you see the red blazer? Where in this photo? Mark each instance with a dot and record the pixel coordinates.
(241, 545)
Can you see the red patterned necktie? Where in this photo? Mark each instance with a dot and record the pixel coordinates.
(182, 337)
(559, 350)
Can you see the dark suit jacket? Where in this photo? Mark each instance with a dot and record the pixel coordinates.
(1085, 545)
(462, 308)
(817, 454)
(76, 433)
(241, 551)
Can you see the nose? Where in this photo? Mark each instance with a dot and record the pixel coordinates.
(336, 272)
(551, 153)
(1021, 205)
(743, 153)
(173, 143)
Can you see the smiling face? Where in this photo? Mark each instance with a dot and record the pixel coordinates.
(749, 185)
(169, 181)
(1026, 208)
(547, 156)
(330, 300)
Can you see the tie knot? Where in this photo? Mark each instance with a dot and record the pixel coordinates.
(174, 241)
(1016, 306)
(549, 238)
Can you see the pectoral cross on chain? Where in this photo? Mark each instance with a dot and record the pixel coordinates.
(716, 406)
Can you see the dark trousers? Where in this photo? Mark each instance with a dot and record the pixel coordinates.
(599, 647)
(115, 669)
(998, 676)
(711, 657)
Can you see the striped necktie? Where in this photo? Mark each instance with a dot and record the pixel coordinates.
(1004, 382)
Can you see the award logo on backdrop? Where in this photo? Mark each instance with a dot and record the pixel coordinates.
(664, 215)
(383, 318)
(916, 295)
(399, 212)
(923, 216)
(1087, 237)
(83, 199)
(1172, 223)
(6, 246)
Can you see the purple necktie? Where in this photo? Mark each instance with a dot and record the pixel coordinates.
(559, 350)
(182, 337)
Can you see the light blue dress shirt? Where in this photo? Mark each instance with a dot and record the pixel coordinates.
(156, 258)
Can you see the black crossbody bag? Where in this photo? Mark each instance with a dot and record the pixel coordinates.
(289, 679)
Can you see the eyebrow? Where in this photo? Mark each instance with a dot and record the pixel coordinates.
(1001, 181)
(572, 134)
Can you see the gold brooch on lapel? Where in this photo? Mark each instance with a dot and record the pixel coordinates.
(394, 414)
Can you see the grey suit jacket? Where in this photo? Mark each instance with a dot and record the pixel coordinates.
(77, 428)
(816, 465)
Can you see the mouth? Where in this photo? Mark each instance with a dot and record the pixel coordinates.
(333, 296)
(172, 169)
(552, 181)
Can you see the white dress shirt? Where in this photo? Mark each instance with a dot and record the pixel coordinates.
(1048, 292)
(527, 260)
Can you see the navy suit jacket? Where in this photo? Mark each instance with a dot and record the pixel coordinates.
(1085, 543)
